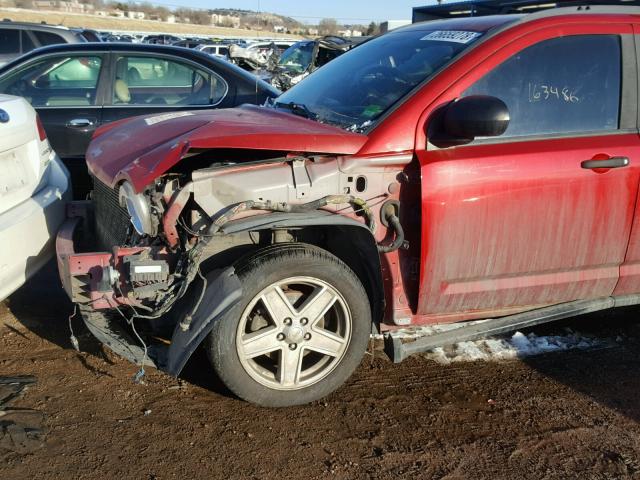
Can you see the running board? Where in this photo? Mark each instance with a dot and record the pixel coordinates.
(398, 351)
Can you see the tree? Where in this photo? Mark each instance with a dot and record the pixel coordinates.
(373, 28)
(328, 26)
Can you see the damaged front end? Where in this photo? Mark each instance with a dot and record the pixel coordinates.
(166, 250)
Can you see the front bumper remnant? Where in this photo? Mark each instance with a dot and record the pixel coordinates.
(99, 282)
(96, 278)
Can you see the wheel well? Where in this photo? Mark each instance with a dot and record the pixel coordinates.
(352, 244)
(356, 247)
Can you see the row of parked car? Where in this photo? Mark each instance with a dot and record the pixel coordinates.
(267, 59)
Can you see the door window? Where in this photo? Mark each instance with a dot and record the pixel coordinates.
(48, 38)
(27, 43)
(56, 81)
(159, 81)
(563, 85)
(9, 41)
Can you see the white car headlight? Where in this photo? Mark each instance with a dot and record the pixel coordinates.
(138, 207)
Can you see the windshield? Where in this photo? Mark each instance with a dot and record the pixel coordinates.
(297, 58)
(353, 90)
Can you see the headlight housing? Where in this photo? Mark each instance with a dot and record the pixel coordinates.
(137, 204)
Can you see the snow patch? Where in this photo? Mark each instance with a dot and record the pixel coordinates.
(518, 345)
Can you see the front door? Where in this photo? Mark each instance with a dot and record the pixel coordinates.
(531, 217)
(65, 90)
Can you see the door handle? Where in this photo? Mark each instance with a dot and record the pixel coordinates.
(613, 162)
(80, 122)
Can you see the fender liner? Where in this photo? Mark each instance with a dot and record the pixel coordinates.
(222, 292)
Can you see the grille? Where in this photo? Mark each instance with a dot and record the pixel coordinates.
(112, 220)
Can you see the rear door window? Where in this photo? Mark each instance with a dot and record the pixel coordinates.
(564, 85)
(56, 81)
(27, 43)
(162, 81)
(9, 41)
(48, 38)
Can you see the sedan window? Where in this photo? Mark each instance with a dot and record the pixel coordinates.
(48, 38)
(9, 41)
(27, 43)
(159, 81)
(56, 81)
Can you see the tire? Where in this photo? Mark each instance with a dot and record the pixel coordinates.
(267, 351)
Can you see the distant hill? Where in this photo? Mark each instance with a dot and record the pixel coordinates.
(253, 18)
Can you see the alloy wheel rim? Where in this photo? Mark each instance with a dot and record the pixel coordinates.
(293, 333)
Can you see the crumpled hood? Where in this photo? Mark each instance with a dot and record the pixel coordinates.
(140, 149)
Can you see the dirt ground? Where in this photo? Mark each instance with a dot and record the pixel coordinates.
(562, 415)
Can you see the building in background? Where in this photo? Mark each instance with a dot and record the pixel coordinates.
(350, 33)
(136, 15)
(225, 20)
(72, 6)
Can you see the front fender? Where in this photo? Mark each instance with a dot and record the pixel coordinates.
(223, 290)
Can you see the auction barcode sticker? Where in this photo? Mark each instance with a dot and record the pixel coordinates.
(456, 36)
(167, 116)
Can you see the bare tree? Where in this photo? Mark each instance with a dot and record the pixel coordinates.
(328, 26)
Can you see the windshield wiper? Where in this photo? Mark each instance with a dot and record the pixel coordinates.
(297, 109)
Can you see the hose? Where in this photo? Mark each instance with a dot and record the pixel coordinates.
(394, 222)
(358, 204)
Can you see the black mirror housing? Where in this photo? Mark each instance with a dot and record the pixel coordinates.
(475, 116)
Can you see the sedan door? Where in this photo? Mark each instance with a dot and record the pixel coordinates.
(64, 88)
(143, 84)
(543, 213)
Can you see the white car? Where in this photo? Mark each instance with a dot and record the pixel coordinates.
(220, 51)
(34, 190)
(256, 55)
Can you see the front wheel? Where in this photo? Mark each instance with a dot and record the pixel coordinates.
(299, 331)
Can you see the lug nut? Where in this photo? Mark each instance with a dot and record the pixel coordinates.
(292, 346)
(280, 336)
(287, 321)
(307, 336)
(304, 321)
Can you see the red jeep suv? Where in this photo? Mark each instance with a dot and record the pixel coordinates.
(451, 170)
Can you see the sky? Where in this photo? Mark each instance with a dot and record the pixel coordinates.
(311, 11)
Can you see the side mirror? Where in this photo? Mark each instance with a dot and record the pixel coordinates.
(475, 116)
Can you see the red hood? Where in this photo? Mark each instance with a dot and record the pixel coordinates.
(142, 148)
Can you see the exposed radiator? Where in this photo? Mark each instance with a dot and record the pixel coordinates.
(112, 220)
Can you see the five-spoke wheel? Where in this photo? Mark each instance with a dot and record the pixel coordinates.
(299, 331)
(293, 333)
